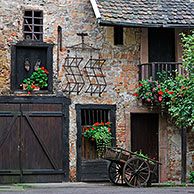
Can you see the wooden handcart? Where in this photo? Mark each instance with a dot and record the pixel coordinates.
(129, 168)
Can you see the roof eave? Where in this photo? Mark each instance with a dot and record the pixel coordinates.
(142, 25)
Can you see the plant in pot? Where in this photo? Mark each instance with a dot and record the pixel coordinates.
(101, 132)
(38, 79)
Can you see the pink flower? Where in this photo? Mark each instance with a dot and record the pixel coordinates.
(158, 86)
(160, 98)
(148, 100)
(147, 93)
(154, 89)
(142, 97)
(150, 80)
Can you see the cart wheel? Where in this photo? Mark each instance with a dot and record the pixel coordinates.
(136, 172)
(115, 173)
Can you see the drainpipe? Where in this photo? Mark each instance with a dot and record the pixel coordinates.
(59, 46)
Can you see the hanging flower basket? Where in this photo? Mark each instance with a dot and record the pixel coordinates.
(101, 133)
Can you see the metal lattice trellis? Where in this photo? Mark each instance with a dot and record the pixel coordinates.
(96, 78)
(74, 77)
(92, 70)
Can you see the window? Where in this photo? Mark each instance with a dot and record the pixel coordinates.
(33, 25)
(91, 116)
(118, 35)
(26, 57)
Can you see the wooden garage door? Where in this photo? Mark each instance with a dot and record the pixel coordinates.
(31, 143)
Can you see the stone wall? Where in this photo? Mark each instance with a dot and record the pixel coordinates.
(120, 67)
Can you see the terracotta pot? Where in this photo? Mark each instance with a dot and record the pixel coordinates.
(37, 88)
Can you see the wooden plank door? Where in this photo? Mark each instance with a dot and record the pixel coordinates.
(161, 45)
(89, 166)
(9, 143)
(144, 134)
(42, 144)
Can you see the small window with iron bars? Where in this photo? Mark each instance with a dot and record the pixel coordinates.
(33, 25)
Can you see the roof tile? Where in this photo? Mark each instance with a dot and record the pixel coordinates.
(162, 12)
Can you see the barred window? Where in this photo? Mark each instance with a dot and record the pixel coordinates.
(33, 25)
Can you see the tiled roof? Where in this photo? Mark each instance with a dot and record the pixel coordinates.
(147, 12)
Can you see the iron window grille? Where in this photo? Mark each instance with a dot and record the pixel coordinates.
(33, 25)
(91, 116)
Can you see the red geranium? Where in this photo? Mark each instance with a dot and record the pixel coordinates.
(96, 124)
(161, 92)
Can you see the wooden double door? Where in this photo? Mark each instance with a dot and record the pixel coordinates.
(32, 143)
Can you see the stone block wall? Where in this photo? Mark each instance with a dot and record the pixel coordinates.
(120, 68)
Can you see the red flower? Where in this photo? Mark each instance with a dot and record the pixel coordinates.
(166, 90)
(33, 86)
(93, 128)
(173, 99)
(160, 92)
(160, 98)
(183, 87)
(102, 123)
(45, 71)
(42, 68)
(108, 123)
(96, 124)
(154, 158)
(28, 92)
(109, 128)
(140, 85)
(87, 130)
(135, 94)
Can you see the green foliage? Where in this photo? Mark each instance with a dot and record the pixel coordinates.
(39, 78)
(145, 157)
(191, 177)
(101, 132)
(174, 94)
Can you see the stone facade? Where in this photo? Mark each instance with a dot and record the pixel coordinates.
(120, 67)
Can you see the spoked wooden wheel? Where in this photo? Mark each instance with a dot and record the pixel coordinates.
(115, 173)
(136, 172)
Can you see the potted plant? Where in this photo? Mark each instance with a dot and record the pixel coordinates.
(101, 132)
(38, 79)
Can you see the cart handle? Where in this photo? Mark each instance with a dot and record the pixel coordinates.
(132, 153)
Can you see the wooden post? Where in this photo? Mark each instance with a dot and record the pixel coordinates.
(184, 155)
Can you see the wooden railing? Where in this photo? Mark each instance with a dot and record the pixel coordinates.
(148, 70)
